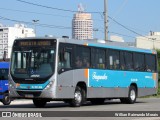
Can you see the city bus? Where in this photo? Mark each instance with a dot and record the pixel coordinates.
(76, 71)
(4, 94)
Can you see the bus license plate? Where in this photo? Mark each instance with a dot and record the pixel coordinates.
(29, 95)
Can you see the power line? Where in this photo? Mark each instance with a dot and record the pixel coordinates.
(31, 12)
(37, 24)
(39, 5)
(126, 27)
(122, 34)
(39, 13)
(61, 27)
(48, 7)
(120, 8)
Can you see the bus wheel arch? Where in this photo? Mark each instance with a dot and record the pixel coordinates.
(132, 94)
(79, 95)
(6, 99)
(83, 86)
(135, 85)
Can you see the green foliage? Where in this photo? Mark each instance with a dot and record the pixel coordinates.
(158, 93)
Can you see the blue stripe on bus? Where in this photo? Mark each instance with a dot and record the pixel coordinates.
(4, 85)
(121, 48)
(4, 65)
(110, 78)
(1, 96)
(32, 86)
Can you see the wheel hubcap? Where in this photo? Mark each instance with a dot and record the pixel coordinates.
(133, 95)
(7, 99)
(78, 97)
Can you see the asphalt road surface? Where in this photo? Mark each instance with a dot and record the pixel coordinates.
(144, 106)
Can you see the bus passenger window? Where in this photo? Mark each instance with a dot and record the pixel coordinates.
(78, 62)
(113, 59)
(85, 62)
(67, 60)
(82, 57)
(139, 62)
(98, 58)
(150, 61)
(129, 60)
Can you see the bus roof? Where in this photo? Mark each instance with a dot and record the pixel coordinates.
(4, 64)
(113, 45)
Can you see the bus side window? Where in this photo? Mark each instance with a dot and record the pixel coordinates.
(98, 58)
(129, 60)
(113, 59)
(82, 57)
(150, 61)
(65, 60)
(122, 61)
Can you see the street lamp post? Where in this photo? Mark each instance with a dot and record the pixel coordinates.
(35, 21)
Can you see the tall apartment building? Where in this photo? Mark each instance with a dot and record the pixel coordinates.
(9, 34)
(82, 25)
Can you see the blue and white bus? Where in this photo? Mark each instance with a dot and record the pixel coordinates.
(4, 95)
(74, 71)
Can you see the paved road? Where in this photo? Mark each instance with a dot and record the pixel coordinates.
(142, 104)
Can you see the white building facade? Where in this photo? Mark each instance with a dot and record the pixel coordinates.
(9, 34)
(152, 41)
(116, 38)
(82, 26)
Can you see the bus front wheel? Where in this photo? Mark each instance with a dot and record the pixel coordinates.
(6, 100)
(79, 97)
(39, 103)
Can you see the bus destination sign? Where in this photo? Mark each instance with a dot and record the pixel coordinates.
(34, 43)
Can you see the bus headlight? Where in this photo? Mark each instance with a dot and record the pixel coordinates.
(49, 85)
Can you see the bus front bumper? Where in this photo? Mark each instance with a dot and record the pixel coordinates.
(31, 94)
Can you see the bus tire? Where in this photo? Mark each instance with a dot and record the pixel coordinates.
(79, 97)
(132, 96)
(39, 103)
(6, 99)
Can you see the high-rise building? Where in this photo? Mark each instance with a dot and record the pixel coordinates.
(82, 25)
(9, 34)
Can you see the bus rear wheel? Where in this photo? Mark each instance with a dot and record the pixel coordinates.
(79, 97)
(6, 100)
(39, 103)
(132, 96)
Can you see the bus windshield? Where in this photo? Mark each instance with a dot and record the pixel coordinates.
(33, 62)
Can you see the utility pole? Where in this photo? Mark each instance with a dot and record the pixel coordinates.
(106, 20)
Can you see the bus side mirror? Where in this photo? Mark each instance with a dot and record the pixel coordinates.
(4, 56)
